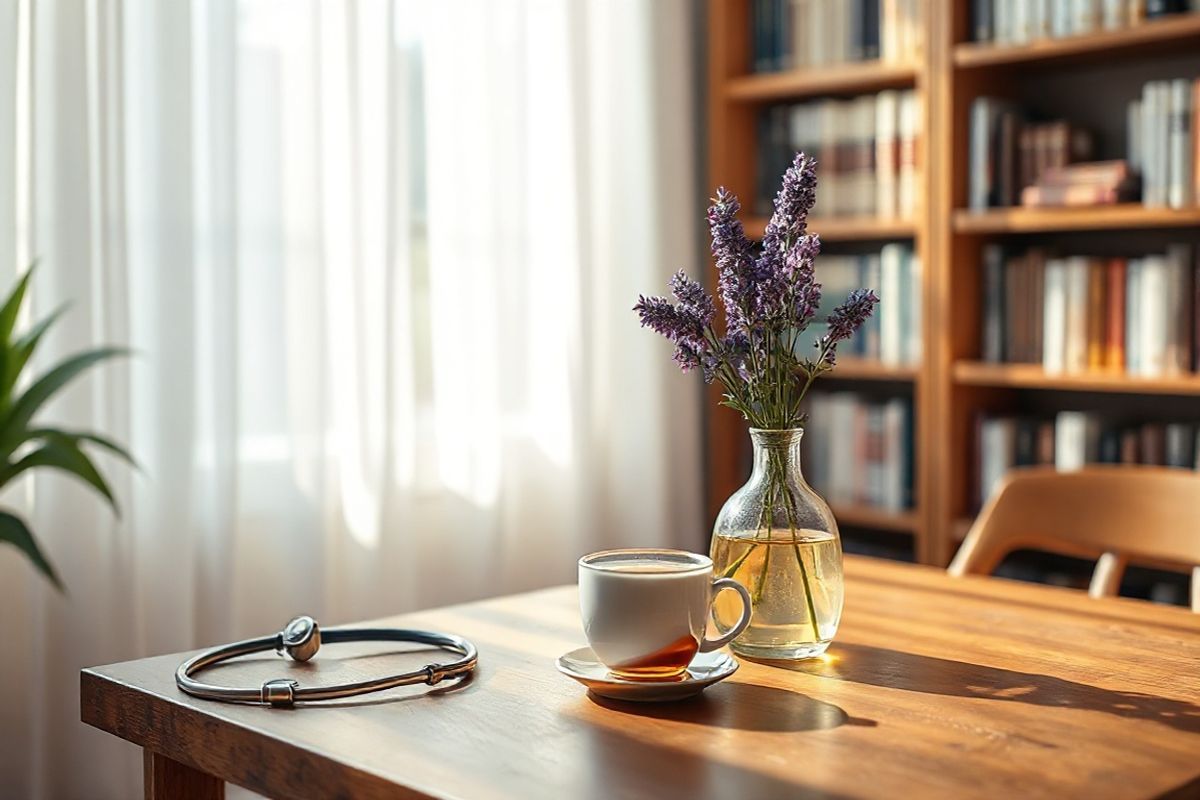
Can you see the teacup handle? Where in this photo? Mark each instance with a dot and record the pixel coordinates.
(719, 585)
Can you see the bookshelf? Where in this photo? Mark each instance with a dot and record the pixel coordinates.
(736, 97)
(951, 385)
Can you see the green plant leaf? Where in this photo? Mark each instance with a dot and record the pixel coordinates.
(33, 434)
(18, 354)
(25, 406)
(14, 531)
(12, 305)
(61, 451)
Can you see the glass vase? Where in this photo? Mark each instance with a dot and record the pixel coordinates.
(778, 538)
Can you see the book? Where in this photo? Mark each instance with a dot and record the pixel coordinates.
(1076, 440)
(1097, 312)
(1180, 180)
(993, 304)
(910, 129)
(1155, 333)
(789, 34)
(887, 153)
(865, 148)
(860, 450)
(1075, 344)
(1133, 316)
(1114, 326)
(1054, 326)
(891, 294)
(1178, 443)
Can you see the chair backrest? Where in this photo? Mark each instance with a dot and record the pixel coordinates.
(1114, 513)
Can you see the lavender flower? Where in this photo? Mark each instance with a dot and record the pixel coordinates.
(665, 318)
(734, 255)
(800, 269)
(768, 299)
(694, 302)
(845, 320)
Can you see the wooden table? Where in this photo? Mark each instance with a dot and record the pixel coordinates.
(935, 687)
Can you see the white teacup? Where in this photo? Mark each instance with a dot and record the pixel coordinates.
(645, 610)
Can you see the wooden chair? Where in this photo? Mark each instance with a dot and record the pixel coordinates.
(1112, 513)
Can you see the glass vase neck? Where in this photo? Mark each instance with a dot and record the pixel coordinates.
(776, 449)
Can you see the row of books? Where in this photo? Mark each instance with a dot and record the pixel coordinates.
(1008, 154)
(1162, 142)
(860, 451)
(866, 150)
(795, 34)
(1037, 164)
(1079, 314)
(1071, 439)
(892, 335)
(1022, 21)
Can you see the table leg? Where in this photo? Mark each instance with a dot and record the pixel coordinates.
(167, 778)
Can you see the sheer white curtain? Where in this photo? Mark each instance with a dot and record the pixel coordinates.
(377, 260)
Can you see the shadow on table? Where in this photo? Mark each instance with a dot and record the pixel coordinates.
(621, 765)
(879, 666)
(743, 706)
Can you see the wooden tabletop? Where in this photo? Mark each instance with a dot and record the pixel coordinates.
(935, 687)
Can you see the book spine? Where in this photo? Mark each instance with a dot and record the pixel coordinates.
(1020, 21)
(1196, 313)
(1153, 316)
(1041, 19)
(1149, 143)
(1054, 326)
(906, 184)
(1178, 441)
(1113, 14)
(1002, 14)
(1114, 328)
(1036, 264)
(871, 43)
(1015, 321)
(1133, 316)
(1097, 311)
(886, 153)
(1133, 135)
(890, 293)
(981, 16)
(1179, 191)
(1179, 309)
(1070, 440)
(1076, 358)
(915, 284)
(993, 304)
(978, 188)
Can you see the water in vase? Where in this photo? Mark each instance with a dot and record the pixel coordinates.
(790, 580)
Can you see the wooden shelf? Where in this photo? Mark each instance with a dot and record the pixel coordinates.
(845, 229)
(856, 516)
(1032, 376)
(1157, 36)
(1128, 216)
(861, 369)
(844, 79)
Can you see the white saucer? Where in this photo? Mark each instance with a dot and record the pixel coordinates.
(705, 670)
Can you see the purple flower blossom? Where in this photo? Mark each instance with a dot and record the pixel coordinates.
(846, 319)
(767, 298)
(799, 269)
(788, 223)
(664, 317)
(694, 302)
(734, 255)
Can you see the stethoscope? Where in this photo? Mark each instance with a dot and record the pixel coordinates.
(301, 639)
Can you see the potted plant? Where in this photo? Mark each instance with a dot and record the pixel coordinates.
(26, 445)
